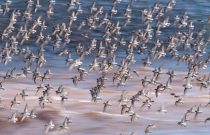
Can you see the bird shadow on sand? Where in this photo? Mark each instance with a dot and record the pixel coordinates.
(47, 115)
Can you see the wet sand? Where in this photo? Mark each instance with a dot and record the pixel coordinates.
(88, 118)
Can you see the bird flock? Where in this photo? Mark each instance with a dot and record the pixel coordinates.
(109, 42)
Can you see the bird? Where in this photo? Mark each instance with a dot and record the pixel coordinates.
(206, 120)
(106, 104)
(162, 109)
(46, 74)
(133, 117)
(13, 118)
(23, 94)
(190, 110)
(133, 99)
(41, 86)
(130, 110)
(65, 125)
(123, 99)
(188, 85)
(25, 113)
(60, 89)
(179, 101)
(49, 126)
(37, 6)
(149, 127)
(1, 85)
(14, 101)
(197, 111)
(182, 123)
(75, 80)
(123, 108)
(63, 96)
(32, 114)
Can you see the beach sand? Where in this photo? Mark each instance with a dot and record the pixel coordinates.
(87, 116)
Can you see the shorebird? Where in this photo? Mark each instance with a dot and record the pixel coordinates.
(145, 81)
(10, 73)
(130, 110)
(165, 23)
(71, 5)
(191, 110)
(106, 104)
(32, 114)
(14, 118)
(64, 52)
(37, 5)
(76, 63)
(133, 99)
(162, 109)
(123, 99)
(93, 7)
(121, 83)
(149, 127)
(197, 111)
(60, 90)
(171, 75)
(49, 126)
(179, 101)
(40, 87)
(23, 94)
(203, 82)
(188, 85)
(25, 113)
(133, 117)
(208, 99)
(82, 24)
(43, 100)
(63, 96)
(82, 73)
(14, 101)
(75, 80)
(74, 16)
(182, 123)
(36, 75)
(46, 74)
(158, 89)
(1, 86)
(65, 125)
(147, 103)
(123, 108)
(50, 9)
(167, 86)
(113, 11)
(156, 74)
(206, 120)
(69, 60)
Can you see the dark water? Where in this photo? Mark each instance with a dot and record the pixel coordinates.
(197, 10)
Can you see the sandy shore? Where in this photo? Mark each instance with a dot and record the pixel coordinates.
(88, 118)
